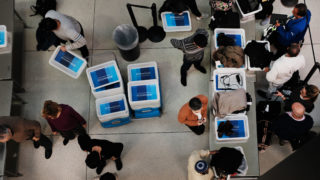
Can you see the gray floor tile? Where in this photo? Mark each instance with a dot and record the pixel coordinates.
(120, 15)
(43, 82)
(155, 155)
(169, 66)
(66, 163)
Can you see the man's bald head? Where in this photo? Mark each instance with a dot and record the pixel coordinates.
(298, 110)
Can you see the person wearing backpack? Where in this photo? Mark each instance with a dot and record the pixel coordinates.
(66, 28)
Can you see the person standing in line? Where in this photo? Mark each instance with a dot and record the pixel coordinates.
(193, 52)
(64, 119)
(194, 114)
(20, 130)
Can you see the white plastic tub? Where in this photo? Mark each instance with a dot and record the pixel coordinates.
(240, 128)
(3, 36)
(238, 34)
(68, 62)
(175, 23)
(248, 59)
(224, 76)
(243, 168)
(110, 90)
(143, 71)
(103, 74)
(251, 13)
(112, 107)
(144, 94)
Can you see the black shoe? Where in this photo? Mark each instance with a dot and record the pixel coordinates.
(47, 153)
(65, 141)
(184, 81)
(118, 164)
(36, 144)
(262, 94)
(202, 69)
(99, 169)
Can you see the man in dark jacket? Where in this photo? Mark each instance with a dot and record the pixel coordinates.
(100, 150)
(293, 124)
(20, 129)
(293, 31)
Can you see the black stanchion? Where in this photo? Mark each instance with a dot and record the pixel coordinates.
(155, 33)
(289, 3)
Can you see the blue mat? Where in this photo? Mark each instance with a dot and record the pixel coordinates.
(177, 20)
(104, 76)
(68, 60)
(112, 107)
(146, 73)
(238, 129)
(2, 37)
(144, 92)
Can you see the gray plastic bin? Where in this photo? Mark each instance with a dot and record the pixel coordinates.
(127, 39)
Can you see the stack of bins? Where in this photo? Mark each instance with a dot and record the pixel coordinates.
(107, 87)
(144, 94)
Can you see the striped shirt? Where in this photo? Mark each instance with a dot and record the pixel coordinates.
(70, 29)
(191, 51)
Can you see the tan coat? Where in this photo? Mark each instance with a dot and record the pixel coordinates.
(229, 56)
(22, 129)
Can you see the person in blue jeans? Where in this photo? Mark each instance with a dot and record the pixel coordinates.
(293, 31)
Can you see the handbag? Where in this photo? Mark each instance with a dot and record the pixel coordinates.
(221, 5)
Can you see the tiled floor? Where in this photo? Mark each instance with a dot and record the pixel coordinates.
(155, 148)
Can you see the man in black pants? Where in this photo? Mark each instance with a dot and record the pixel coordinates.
(193, 52)
(20, 130)
(100, 151)
(66, 28)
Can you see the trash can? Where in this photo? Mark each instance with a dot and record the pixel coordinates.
(127, 39)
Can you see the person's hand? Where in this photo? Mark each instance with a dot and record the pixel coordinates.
(35, 138)
(204, 120)
(200, 123)
(266, 69)
(113, 158)
(63, 48)
(54, 132)
(280, 95)
(277, 23)
(84, 125)
(97, 149)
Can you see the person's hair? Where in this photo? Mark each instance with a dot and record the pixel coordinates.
(50, 108)
(293, 50)
(302, 9)
(200, 40)
(93, 159)
(107, 176)
(85, 142)
(4, 130)
(178, 6)
(48, 24)
(312, 92)
(195, 104)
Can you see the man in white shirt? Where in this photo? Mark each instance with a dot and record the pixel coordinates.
(198, 165)
(66, 28)
(283, 69)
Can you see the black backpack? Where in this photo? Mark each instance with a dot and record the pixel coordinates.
(43, 6)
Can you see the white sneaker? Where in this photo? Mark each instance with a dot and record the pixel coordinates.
(203, 16)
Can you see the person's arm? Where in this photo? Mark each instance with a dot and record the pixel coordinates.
(193, 7)
(286, 35)
(53, 128)
(77, 116)
(78, 40)
(177, 44)
(35, 127)
(204, 101)
(182, 118)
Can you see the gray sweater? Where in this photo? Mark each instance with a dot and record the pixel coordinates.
(191, 51)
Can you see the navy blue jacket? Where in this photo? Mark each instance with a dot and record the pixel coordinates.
(294, 30)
